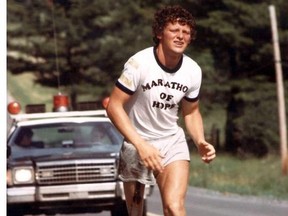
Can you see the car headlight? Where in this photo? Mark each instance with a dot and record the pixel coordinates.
(23, 175)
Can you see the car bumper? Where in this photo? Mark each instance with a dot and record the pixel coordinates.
(65, 192)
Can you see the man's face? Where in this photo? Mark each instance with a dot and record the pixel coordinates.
(175, 37)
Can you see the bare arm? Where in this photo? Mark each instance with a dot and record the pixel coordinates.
(115, 110)
(118, 116)
(194, 125)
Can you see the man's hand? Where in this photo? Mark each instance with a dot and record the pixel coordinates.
(207, 151)
(151, 157)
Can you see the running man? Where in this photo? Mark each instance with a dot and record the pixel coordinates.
(155, 83)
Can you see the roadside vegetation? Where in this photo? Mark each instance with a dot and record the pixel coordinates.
(227, 174)
(230, 174)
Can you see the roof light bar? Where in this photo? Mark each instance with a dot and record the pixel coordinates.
(35, 108)
(61, 103)
(88, 105)
(14, 108)
(59, 114)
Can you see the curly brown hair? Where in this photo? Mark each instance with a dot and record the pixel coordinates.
(172, 14)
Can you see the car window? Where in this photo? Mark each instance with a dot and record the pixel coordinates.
(66, 135)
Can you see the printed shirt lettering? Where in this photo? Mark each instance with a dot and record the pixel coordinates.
(155, 111)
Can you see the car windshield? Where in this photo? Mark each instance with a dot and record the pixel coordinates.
(89, 135)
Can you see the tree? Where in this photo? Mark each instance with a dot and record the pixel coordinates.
(95, 38)
(238, 33)
(80, 43)
(252, 118)
(252, 125)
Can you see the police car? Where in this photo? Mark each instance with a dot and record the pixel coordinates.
(63, 161)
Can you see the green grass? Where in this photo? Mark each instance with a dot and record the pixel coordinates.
(25, 91)
(227, 174)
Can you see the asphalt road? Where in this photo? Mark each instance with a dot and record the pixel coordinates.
(201, 202)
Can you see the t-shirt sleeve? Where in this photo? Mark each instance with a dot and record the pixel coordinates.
(130, 77)
(192, 94)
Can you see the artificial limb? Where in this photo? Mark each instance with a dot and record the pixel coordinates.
(136, 206)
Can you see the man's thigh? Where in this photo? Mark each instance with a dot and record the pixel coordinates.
(173, 181)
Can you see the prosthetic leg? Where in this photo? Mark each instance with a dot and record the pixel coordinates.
(136, 207)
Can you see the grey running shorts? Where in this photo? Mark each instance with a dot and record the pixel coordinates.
(131, 168)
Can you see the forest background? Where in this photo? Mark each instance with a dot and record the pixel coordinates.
(78, 47)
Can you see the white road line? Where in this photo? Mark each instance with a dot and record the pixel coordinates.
(151, 214)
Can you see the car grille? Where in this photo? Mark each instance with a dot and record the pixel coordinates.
(77, 171)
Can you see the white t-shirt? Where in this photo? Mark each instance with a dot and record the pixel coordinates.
(156, 92)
